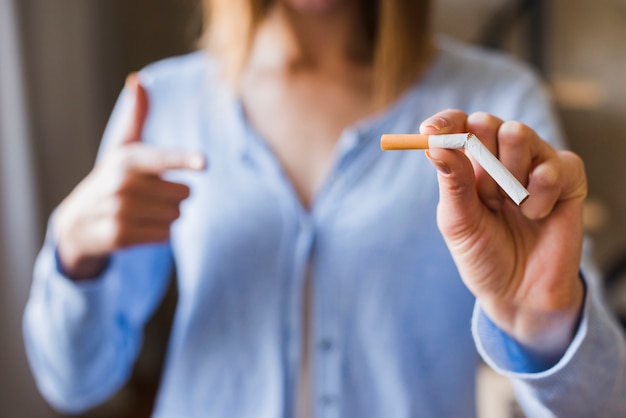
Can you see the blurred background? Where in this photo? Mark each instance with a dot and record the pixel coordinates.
(63, 63)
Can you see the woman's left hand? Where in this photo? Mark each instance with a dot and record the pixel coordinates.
(522, 263)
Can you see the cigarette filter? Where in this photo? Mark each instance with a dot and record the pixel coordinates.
(472, 145)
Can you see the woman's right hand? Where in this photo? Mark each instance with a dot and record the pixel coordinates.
(123, 201)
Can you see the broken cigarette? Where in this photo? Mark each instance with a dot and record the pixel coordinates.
(472, 145)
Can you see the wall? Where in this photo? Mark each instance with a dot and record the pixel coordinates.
(76, 55)
(19, 229)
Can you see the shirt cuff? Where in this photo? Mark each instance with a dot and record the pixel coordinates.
(583, 382)
(507, 357)
(72, 300)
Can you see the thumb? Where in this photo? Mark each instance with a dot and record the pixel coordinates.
(459, 204)
(140, 109)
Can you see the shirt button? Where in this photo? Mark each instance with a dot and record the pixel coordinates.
(329, 400)
(326, 344)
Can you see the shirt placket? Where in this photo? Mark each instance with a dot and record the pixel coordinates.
(325, 328)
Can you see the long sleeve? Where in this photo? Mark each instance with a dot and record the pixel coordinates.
(82, 338)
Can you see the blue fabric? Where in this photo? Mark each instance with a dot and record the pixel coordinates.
(391, 323)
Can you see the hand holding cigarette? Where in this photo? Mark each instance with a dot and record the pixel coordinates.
(521, 262)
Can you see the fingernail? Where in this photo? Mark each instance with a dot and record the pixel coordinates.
(440, 165)
(197, 162)
(436, 123)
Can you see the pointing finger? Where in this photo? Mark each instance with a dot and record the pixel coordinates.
(151, 160)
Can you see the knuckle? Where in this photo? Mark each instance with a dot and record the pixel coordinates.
(125, 158)
(174, 213)
(168, 214)
(573, 159)
(185, 191)
(546, 175)
(119, 161)
(130, 157)
(127, 185)
(452, 114)
(574, 166)
(177, 191)
(160, 159)
(452, 110)
(514, 133)
(170, 159)
(484, 118)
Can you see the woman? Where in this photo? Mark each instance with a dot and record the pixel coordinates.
(317, 275)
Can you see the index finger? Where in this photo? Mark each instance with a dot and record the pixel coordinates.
(150, 160)
(452, 121)
(447, 121)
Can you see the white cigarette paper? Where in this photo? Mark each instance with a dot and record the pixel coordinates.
(473, 146)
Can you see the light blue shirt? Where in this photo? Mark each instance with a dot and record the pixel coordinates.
(394, 331)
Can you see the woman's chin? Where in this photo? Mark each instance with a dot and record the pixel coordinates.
(316, 6)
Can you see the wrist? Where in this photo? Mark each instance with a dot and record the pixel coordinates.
(77, 267)
(71, 258)
(543, 330)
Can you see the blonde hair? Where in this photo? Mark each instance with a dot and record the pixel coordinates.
(398, 30)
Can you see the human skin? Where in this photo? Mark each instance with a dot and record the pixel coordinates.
(522, 263)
